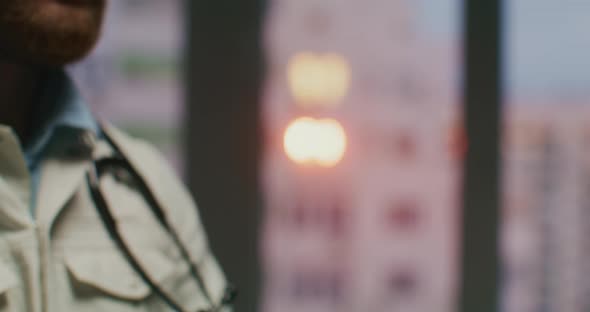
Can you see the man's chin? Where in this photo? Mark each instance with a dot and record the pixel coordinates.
(42, 57)
(50, 34)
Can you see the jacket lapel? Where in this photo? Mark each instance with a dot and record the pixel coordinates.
(62, 174)
(60, 179)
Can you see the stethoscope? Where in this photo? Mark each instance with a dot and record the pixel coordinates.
(114, 164)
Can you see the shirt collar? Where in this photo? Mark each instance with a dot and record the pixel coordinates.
(61, 114)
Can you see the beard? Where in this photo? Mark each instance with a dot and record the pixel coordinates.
(49, 32)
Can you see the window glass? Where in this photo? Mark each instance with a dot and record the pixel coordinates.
(546, 156)
(132, 79)
(363, 154)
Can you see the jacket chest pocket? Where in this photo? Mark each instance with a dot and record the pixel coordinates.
(105, 281)
(8, 285)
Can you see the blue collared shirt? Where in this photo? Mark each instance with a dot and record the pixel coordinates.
(62, 108)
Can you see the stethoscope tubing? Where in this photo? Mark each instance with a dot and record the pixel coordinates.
(100, 167)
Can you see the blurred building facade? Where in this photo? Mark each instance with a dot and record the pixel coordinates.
(377, 231)
(546, 120)
(546, 214)
(133, 77)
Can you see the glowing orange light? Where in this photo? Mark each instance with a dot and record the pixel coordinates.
(318, 79)
(319, 142)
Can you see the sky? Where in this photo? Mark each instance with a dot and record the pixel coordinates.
(546, 47)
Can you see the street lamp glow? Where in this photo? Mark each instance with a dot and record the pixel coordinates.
(318, 79)
(320, 142)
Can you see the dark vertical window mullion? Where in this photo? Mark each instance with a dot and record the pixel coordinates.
(223, 71)
(482, 167)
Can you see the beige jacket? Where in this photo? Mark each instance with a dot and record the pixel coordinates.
(64, 260)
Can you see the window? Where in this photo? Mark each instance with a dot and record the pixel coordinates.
(132, 78)
(386, 71)
(547, 110)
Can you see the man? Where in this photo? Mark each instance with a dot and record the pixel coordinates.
(90, 219)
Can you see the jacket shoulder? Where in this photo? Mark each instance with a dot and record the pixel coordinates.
(143, 155)
(164, 183)
(176, 201)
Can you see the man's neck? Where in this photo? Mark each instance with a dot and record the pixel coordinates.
(18, 95)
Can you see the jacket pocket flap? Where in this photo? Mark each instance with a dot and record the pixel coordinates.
(8, 278)
(110, 273)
